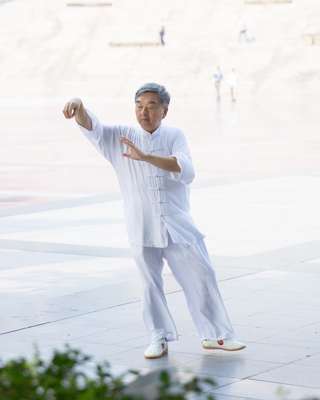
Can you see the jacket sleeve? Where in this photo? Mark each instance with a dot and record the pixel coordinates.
(105, 138)
(180, 151)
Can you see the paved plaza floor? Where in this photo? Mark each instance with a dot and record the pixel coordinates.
(66, 276)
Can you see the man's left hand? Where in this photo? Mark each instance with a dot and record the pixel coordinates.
(167, 163)
(133, 152)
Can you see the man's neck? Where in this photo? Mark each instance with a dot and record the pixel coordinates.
(150, 133)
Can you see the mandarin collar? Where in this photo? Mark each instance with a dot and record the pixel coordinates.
(152, 135)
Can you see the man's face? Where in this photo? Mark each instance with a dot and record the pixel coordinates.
(149, 111)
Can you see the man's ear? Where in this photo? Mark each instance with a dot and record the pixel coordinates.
(165, 112)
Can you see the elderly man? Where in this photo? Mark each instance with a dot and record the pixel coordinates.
(154, 169)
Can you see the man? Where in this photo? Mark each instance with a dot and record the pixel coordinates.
(154, 173)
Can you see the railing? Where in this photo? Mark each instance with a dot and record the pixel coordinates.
(268, 1)
(87, 4)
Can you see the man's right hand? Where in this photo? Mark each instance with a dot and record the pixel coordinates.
(74, 108)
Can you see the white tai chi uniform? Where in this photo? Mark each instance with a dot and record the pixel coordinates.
(160, 227)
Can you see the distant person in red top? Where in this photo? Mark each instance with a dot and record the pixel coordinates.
(162, 33)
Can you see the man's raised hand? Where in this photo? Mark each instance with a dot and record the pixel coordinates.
(72, 107)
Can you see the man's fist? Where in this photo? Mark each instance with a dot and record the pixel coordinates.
(72, 108)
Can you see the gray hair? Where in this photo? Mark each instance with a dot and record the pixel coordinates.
(161, 91)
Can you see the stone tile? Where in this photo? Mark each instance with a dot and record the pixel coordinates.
(218, 380)
(187, 344)
(218, 396)
(80, 225)
(275, 353)
(17, 259)
(281, 322)
(136, 340)
(310, 332)
(293, 374)
(258, 390)
(13, 346)
(227, 273)
(115, 336)
(232, 364)
(307, 337)
(253, 333)
(308, 267)
(314, 261)
(310, 360)
(20, 344)
(133, 358)
(100, 352)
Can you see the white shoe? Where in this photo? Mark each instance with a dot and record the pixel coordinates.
(156, 349)
(223, 344)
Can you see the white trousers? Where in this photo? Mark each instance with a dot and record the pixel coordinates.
(192, 268)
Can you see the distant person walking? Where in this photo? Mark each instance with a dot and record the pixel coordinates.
(218, 77)
(232, 83)
(154, 168)
(161, 34)
(244, 36)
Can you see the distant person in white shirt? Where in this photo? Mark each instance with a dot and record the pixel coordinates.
(218, 77)
(154, 174)
(232, 83)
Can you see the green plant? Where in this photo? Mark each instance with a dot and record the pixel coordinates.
(174, 389)
(71, 375)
